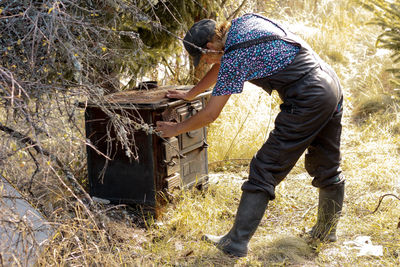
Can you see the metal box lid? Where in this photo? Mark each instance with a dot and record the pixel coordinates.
(145, 99)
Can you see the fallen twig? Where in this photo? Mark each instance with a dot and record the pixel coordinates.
(380, 201)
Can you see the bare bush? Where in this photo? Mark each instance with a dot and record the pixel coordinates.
(56, 54)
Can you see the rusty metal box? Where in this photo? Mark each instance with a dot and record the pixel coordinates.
(177, 162)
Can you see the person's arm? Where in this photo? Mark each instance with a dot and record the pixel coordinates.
(205, 116)
(206, 82)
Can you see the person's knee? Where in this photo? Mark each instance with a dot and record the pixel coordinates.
(254, 186)
(331, 182)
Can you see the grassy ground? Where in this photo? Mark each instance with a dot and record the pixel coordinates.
(371, 153)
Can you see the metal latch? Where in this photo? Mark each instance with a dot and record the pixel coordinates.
(172, 162)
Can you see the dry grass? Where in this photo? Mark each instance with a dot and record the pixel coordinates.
(370, 161)
(242, 126)
(119, 236)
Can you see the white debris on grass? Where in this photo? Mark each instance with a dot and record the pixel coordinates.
(365, 246)
(215, 178)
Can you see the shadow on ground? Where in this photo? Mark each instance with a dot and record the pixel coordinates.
(285, 250)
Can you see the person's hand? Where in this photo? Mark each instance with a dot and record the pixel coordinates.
(166, 128)
(178, 94)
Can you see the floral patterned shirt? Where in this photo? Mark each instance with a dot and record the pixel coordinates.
(254, 62)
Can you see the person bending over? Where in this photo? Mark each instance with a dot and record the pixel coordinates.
(256, 49)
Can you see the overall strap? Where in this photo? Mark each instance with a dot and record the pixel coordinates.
(249, 43)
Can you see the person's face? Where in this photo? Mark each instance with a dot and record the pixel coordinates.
(212, 57)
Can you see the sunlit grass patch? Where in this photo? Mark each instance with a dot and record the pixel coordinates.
(243, 124)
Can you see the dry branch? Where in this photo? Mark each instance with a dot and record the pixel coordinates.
(29, 143)
(380, 201)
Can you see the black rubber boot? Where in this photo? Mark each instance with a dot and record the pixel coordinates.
(251, 209)
(329, 210)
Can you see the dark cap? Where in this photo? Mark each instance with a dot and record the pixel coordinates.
(198, 36)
